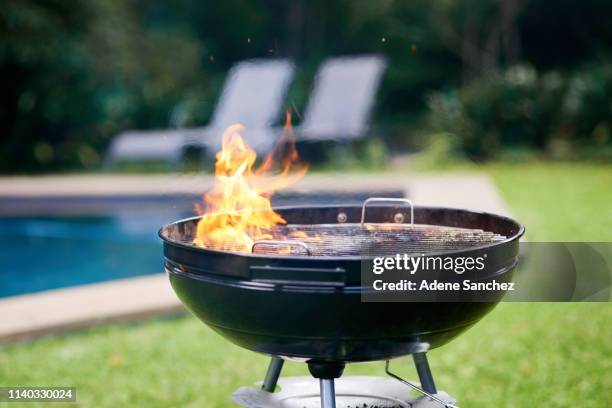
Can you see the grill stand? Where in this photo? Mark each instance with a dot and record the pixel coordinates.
(328, 394)
(274, 370)
(424, 372)
(428, 387)
(352, 391)
(326, 373)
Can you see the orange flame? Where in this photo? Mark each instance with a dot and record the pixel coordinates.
(237, 210)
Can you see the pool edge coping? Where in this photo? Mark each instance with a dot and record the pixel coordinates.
(59, 310)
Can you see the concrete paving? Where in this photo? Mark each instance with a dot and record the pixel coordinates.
(58, 310)
(28, 316)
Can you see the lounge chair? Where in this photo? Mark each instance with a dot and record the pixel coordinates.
(253, 94)
(342, 99)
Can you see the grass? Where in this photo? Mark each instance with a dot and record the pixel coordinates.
(559, 201)
(520, 355)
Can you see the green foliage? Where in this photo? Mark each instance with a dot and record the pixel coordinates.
(521, 109)
(366, 155)
(76, 74)
(440, 149)
(587, 112)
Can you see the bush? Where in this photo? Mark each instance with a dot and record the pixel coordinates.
(587, 110)
(78, 74)
(520, 110)
(368, 154)
(439, 149)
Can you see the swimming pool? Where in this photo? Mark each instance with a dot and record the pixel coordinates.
(87, 240)
(40, 253)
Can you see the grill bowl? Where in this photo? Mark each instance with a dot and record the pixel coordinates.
(309, 307)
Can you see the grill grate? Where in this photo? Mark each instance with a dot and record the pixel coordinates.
(354, 239)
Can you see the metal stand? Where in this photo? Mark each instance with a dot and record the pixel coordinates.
(427, 388)
(298, 392)
(326, 372)
(360, 391)
(328, 394)
(274, 370)
(424, 372)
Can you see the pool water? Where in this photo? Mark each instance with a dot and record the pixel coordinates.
(40, 253)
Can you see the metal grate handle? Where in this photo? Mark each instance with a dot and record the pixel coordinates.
(287, 242)
(387, 200)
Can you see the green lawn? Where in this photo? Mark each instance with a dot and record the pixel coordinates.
(521, 355)
(559, 202)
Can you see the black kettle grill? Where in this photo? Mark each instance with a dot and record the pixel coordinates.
(304, 301)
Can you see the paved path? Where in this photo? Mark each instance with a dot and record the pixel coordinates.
(56, 310)
(474, 191)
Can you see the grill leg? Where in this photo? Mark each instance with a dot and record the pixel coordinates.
(328, 393)
(274, 370)
(424, 372)
(326, 372)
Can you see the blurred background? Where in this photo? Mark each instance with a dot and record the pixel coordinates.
(466, 79)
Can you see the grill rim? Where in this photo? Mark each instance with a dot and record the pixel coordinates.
(250, 255)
